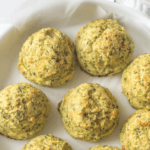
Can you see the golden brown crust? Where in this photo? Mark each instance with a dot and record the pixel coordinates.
(89, 112)
(134, 134)
(24, 111)
(48, 58)
(58, 108)
(104, 147)
(136, 82)
(103, 47)
(94, 75)
(47, 142)
(8, 136)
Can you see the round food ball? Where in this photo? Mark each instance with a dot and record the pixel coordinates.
(47, 58)
(24, 110)
(89, 112)
(103, 47)
(47, 142)
(104, 147)
(136, 82)
(135, 133)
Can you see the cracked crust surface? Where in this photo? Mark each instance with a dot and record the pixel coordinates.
(24, 110)
(89, 112)
(48, 58)
(136, 82)
(135, 133)
(103, 47)
(47, 142)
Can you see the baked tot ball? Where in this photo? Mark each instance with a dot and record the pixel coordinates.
(89, 112)
(136, 82)
(24, 110)
(104, 147)
(47, 58)
(103, 47)
(135, 133)
(47, 142)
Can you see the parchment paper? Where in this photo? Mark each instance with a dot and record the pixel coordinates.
(67, 16)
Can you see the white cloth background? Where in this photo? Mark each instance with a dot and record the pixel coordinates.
(68, 16)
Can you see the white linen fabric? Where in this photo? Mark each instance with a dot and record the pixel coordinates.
(142, 6)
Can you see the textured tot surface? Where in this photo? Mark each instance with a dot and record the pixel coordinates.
(136, 82)
(135, 133)
(24, 110)
(89, 112)
(47, 142)
(103, 47)
(104, 147)
(47, 58)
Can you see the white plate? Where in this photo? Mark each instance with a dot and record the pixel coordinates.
(68, 17)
